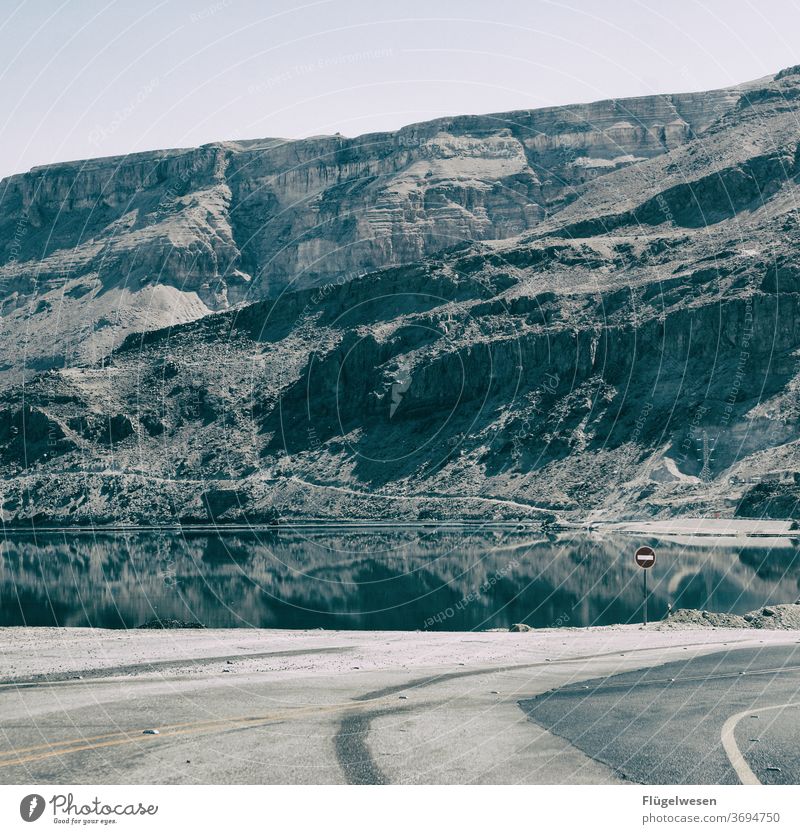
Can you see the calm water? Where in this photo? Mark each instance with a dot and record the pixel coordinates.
(405, 579)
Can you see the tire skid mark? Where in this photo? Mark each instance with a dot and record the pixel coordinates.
(158, 665)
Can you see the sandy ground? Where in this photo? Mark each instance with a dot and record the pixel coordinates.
(702, 527)
(68, 652)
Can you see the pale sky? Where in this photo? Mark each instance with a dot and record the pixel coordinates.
(86, 78)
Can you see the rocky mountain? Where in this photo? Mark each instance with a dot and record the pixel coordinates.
(92, 251)
(588, 311)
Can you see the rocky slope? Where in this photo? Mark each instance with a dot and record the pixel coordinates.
(633, 352)
(91, 251)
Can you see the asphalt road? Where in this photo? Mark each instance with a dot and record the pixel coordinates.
(248, 729)
(381, 708)
(723, 718)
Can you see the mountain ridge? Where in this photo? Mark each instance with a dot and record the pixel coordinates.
(634, 352)
(110, 246)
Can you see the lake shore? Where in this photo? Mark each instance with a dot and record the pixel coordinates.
(695, 527)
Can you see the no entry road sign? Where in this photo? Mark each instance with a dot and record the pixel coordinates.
(645, 557)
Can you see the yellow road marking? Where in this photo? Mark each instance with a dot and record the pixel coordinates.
(51, 744)
(11, 758)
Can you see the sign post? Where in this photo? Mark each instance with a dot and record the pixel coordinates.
(645, 558)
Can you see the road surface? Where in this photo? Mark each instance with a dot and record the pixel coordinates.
(725, 718)
(244, 706)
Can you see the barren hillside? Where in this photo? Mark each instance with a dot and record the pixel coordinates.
(590, 310)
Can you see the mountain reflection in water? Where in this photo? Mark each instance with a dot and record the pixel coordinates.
(373, 579)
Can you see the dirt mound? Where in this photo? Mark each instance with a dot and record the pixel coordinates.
(170, 623)
(773, 617)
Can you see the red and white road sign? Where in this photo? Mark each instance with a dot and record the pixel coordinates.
(645, 557)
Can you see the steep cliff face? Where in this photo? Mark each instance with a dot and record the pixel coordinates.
(309, 212)
(91, 251)
(634, 352)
